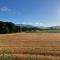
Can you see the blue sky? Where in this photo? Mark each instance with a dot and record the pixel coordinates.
(33, 12)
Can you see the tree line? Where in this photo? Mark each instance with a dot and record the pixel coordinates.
(9, 27)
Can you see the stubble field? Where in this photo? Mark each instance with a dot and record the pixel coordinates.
(45, 45)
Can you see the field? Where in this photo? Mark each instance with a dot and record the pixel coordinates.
(45, 46)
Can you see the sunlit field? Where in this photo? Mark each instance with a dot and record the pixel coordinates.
(41, 45)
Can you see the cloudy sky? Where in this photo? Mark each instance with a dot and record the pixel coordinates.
(33, 12)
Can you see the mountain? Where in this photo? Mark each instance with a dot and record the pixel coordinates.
(41, 27)
(24, 25)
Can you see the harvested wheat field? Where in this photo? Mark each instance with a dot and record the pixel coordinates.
(45, 45)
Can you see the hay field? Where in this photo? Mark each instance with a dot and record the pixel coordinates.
(47, 44)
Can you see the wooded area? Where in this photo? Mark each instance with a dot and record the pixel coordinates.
(9, 27)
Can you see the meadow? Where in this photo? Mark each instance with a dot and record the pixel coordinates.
(35, 46)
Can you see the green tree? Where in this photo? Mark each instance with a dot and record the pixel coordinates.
(11, 26)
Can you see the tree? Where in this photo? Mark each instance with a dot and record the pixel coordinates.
(18, 29)
(11, 26)
(3, 28)
(7, 27)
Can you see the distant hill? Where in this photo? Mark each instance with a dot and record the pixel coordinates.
(25, 25)
(40, 27)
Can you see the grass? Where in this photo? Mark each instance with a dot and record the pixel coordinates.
(45, 31)
(4, 55)
(28, 45)
(49, 31)
(37, 57)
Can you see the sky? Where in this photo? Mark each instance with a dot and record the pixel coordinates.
(32, 12)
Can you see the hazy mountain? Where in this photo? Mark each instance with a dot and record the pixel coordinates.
(24, 25)
(42, 27)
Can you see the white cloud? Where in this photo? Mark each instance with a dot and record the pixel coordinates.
(4, 9)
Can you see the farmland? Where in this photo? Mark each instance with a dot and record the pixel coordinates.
(45, 45)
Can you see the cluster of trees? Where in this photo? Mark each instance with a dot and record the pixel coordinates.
(9, 27)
